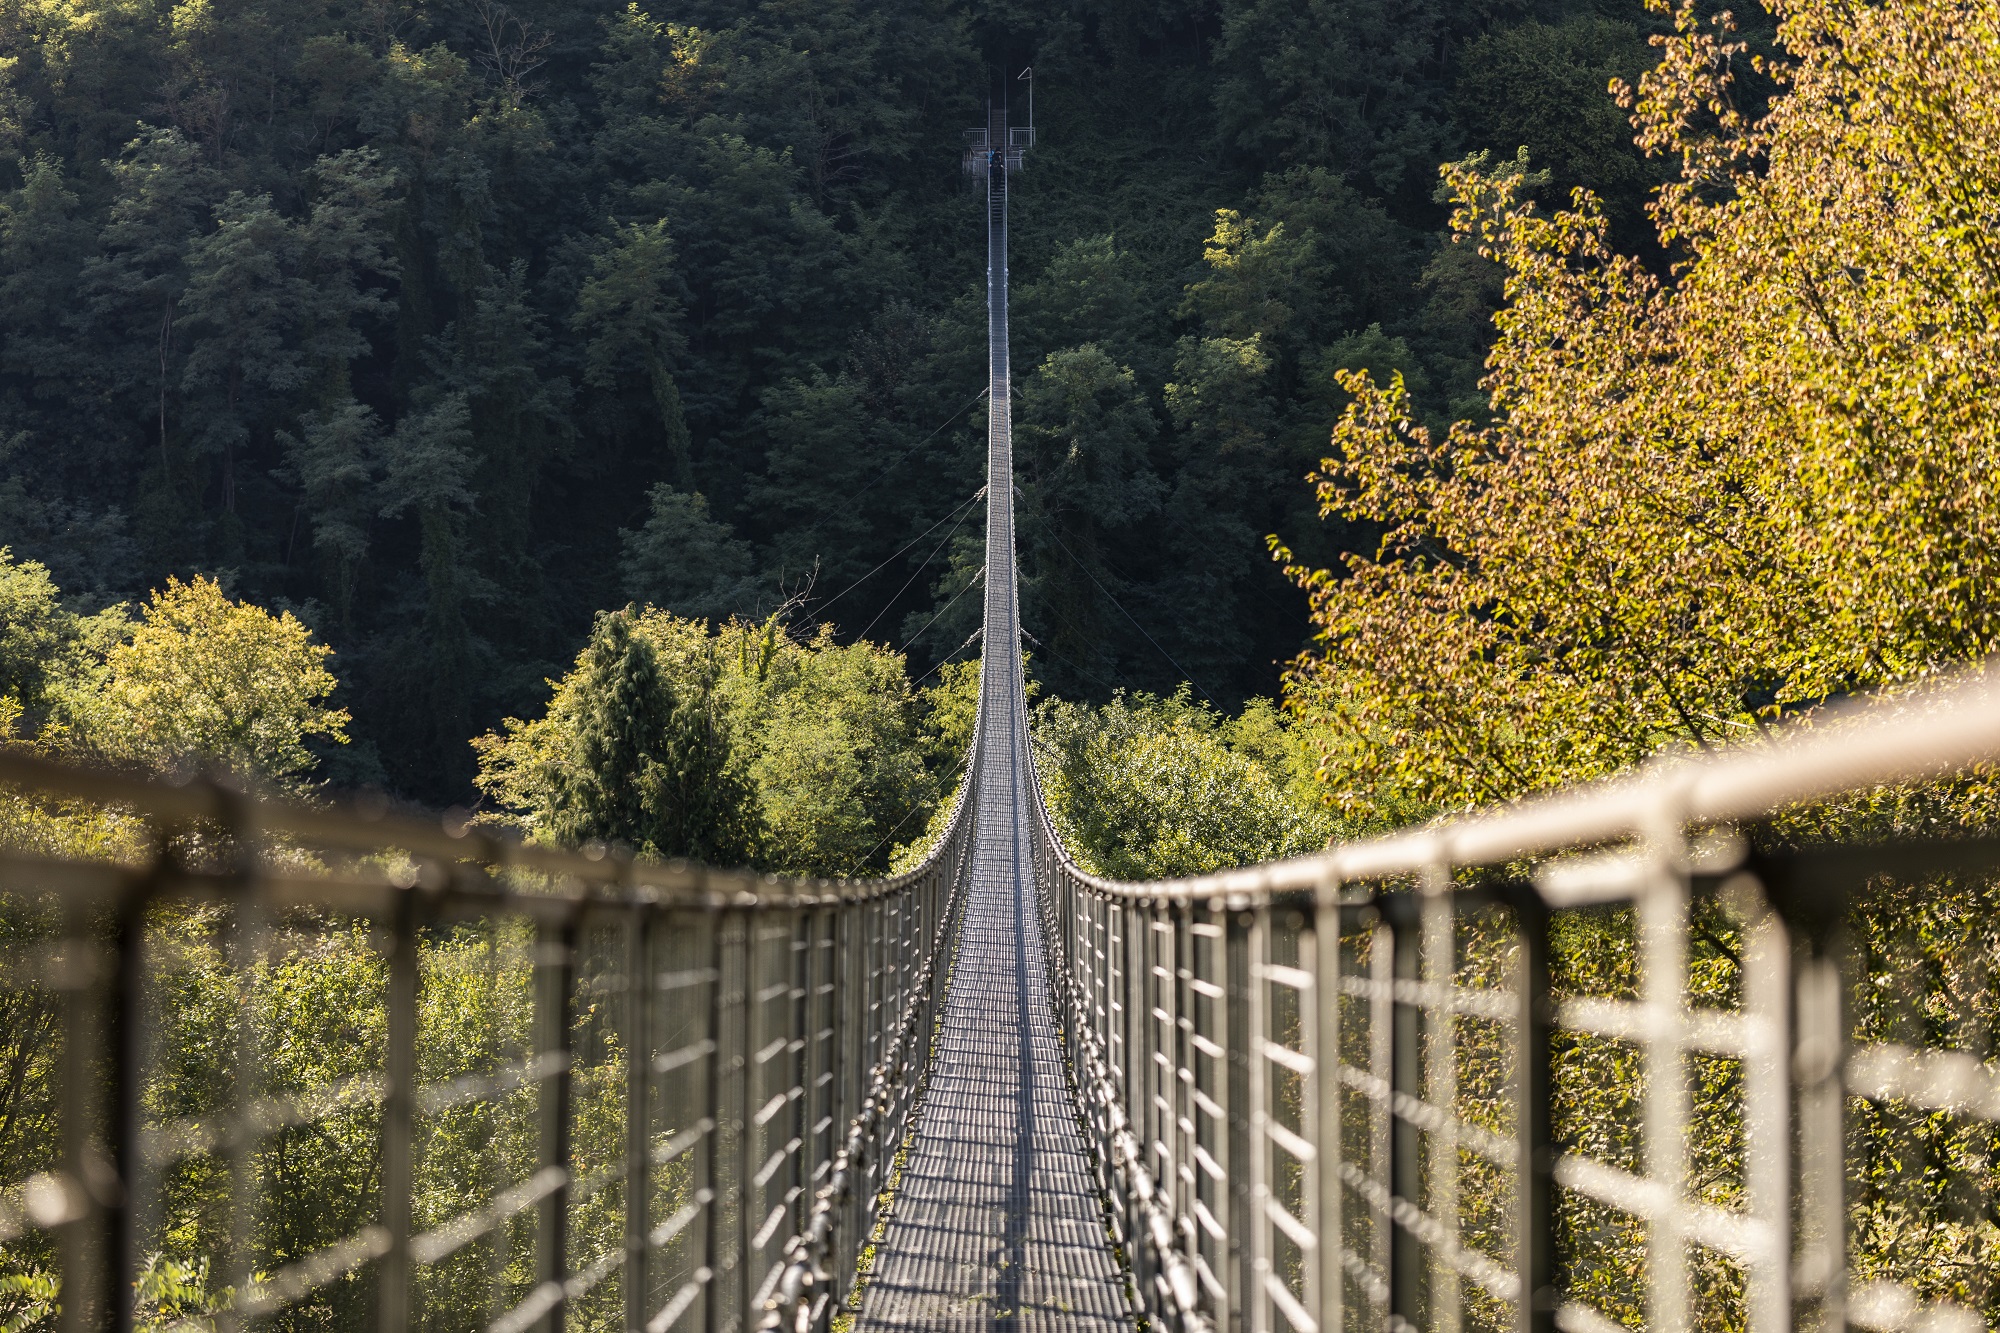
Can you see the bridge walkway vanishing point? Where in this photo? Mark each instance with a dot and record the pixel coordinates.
(1629, 1056)
(997, 1220)
(997, 1217)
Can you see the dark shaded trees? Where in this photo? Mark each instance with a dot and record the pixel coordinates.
(402, 317)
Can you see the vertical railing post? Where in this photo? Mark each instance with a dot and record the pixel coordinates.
(1133, 1018)
(244, 952)
(804, 1054)
(1662, 911)
(852, 1078)
(1406, 1258)
(870, 982)
(1183, 1183)
(1813, 914)
(1325, 1125)
(393, 1303)
(1129, 1062)
(639, 983)
(1312, 1087)
(741, 1108)
(820, 1112)
(1237, 1132)
(1209, 1252)
(1381, 1053)
(910, 957)
(1256, 943)
(555, 962)
(876, 984)
(73, 975)
(1158, 1116)
(1097, 993)
(1438, 966)
(124, 1013)
(1119, 1003)
(834, 1106)
(712, 1165)
(1534, 1130)
(1172, 1103)
(1767, 1095)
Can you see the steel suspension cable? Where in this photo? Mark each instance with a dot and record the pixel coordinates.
(918, 572)
(905, 455)
(958, 512)
(1050, 529)
(974, 581)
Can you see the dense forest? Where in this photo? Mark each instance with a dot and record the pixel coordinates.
(446, 326)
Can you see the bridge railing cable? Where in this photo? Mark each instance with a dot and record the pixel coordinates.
(1629, 1056)
(318, 1066)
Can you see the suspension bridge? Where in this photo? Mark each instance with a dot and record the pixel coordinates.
(1609, 1060)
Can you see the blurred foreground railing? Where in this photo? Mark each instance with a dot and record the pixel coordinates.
(309, 1068)
(1608, 1060)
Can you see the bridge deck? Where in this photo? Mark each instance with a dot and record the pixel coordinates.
(997, 1217)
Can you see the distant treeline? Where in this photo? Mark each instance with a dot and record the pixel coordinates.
(448, 325)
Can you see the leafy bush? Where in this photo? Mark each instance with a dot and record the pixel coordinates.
(1706, 500)
(821, 744)
(1147, 787)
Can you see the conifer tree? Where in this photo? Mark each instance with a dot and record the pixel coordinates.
(703, 806)
(649, 764)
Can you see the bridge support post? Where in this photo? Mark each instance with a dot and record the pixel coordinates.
(640, 975)
(1534, 1136)
(1806, 911)
(555, 966)
(1236, 1165)
(124, 1017)
(708, 1167)
(1256, 1161)
(1329, 1218)
(398, 1108)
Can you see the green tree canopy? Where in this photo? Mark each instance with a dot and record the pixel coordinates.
(1146, 787)
(811, 753)
(1705, 501)
(647, 759)
(205, 680)
(349, 308)
(684, 560)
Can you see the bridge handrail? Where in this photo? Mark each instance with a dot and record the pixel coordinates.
(357, 825)
(1269, 1058)
(848, 1001)
(1939, 731)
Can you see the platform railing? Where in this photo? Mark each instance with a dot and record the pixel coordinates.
(1641, 1055)
(291, 1066)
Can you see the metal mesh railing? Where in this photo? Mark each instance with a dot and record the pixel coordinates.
(1605, 1061)
(310, 1068)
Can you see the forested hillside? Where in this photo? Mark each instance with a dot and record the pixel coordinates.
(447, 326)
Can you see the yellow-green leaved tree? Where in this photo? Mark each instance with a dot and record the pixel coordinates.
(209, 681)
(1708, 499)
